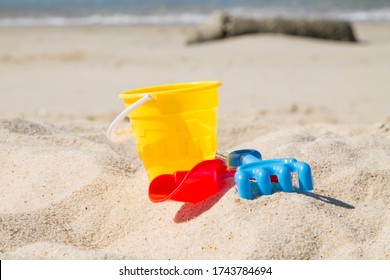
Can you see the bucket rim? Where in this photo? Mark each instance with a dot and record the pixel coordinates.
(170, 89)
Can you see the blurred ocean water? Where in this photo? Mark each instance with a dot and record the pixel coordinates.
(179, 12)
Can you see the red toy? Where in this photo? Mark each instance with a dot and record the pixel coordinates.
(204, 180)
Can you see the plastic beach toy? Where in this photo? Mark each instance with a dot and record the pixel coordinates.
(201, 182)
(175, 125)
(239, 157)
(252, 170)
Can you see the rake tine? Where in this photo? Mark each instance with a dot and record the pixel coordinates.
(284, 176)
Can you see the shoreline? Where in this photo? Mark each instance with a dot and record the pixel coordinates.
(358, 24)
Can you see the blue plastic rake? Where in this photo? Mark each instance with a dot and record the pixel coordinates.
(251, 169)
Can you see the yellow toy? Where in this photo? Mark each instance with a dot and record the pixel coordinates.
(175, 125)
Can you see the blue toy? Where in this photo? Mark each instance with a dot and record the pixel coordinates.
(251, 169)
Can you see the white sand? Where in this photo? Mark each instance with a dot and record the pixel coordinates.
(66, 193)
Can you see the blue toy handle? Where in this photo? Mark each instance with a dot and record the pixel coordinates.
(240, 157)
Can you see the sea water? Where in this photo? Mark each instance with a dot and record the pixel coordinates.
(179, 12)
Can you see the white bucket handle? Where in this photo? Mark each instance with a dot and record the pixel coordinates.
(118, 136)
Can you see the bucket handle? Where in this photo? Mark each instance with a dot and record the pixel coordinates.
(118, 136)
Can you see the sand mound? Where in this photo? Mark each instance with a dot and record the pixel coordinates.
(68, 193)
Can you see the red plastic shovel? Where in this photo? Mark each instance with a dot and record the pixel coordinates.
(201, 182)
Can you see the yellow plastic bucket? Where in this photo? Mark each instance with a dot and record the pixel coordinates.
(175, 125)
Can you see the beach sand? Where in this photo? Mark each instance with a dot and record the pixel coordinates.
(67, 193)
